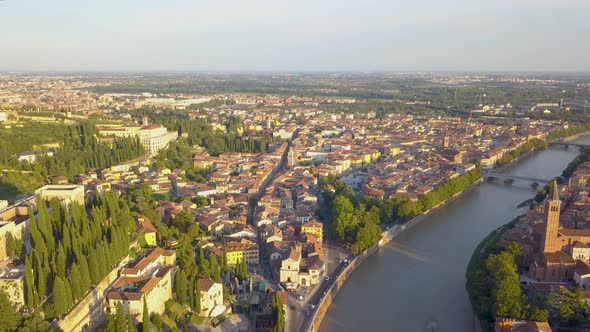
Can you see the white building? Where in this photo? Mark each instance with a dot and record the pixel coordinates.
(153, 137)
(3, 117)
(33, 156)
(582, 275)
(211, 294)
(66, 193)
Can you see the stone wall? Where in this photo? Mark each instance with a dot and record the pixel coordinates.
(89, 313)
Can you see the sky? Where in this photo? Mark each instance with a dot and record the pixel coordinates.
(295, 35)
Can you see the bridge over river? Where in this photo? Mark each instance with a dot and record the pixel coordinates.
(419, 278)
(492, 175)
(567, 144)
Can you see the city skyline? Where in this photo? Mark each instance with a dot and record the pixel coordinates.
(264, 36)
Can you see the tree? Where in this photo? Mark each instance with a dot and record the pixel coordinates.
(130, 326)
(368, 235)
(30, 289)
(60, 294)
(215, 269)
(85, 281)
(181, 286)
(241, 270)
(10, 245)
(94, 270)
(568, 307)
(345, 218)
(193, 230)
(278, 314)
(120, 319)
(9, 319)
(196, 305)
(76, 280)
(508, 298)
(111, 324)
(145, 324)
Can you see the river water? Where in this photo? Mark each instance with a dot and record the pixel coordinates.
(419, 278)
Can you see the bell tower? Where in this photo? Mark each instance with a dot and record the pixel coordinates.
(553, 209)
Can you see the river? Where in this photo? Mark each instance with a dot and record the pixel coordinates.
(420, 276)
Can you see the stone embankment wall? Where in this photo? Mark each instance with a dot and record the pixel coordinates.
(315, 319)
(89, 313)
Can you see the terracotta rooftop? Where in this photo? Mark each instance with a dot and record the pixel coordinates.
(558, 257)
(206, 284)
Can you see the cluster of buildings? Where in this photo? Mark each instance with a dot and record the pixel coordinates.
(555, 238)
(236, 173)
(149, 278)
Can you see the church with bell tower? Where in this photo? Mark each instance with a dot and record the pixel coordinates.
(559, 249)
(553, 210)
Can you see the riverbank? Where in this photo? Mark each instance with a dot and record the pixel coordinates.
(410, 282)
(475, 275)
(389, 234)
(477, 265)
(573, 137)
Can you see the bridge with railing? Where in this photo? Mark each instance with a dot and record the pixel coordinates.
(568, 144)
(490, 175)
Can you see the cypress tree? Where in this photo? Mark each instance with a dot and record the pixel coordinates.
(76, 280)
(30, 290)
(181, 286)
(120, 320)
(145, 325)
(197, 306)
(111, 324)
(130, 327)
(60, 262)
(101, 261)
(69, 295)
(94, 269)
(85, 280)
(215, 269)
(9, 319)
(40, 275)
(191, 294)
(60, 301)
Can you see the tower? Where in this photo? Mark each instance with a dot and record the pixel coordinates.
(552, 222)
(446, 140)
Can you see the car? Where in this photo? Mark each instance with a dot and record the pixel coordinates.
(327, 278)
(292, 307)
(300, 298)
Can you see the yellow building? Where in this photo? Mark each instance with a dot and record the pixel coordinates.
(131, 292)
(394, 151)
(150, 278)
(315, 228)
(148, 231)
(243, 249)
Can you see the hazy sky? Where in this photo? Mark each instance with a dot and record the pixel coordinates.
(499, 35)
